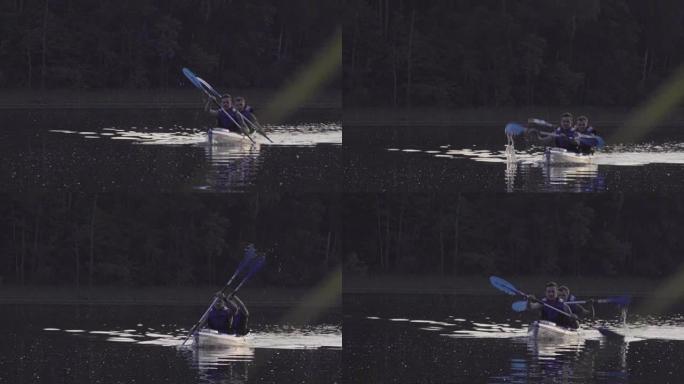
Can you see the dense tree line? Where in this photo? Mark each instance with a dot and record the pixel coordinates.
(606, 234)
(162, 239)
(502, 52)
(144, 43)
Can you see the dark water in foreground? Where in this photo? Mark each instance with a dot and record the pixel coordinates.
(127, 344)
(161, 150)
(473, 159)
(459, 339)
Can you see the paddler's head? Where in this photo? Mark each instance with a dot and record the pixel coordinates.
(226, 101)
(566, 120)
(582, 123)
(240, 103)
(563, 292)
(551, 290)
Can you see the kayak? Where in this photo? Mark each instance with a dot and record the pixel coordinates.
(211, 338)
(547, 330)
(222, 135)
(563, 156)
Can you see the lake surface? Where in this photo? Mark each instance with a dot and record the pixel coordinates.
(162, 150)
(473, 158)
(467, 339)
(125, 344)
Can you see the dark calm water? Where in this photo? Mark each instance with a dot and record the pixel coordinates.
(466, 339)
(161, 150)
(129, 344)
(472, 158)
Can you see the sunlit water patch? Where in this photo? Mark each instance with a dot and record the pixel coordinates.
(531, 169)
(287, 135)
(267, 337)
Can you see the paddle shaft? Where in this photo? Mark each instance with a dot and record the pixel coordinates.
(510, 289)
(554, 308)
(225, 287)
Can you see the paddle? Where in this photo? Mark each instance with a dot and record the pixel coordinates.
(508, 288)
(521, 306)
(215, 96)
(620, 300)
(249, 258)
(515, 129)
(258, 128)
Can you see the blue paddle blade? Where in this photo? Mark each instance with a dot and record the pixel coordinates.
(519, 306)
(514, 129)
(192, 77)
(593, 141)
(600, 143)
(503, 285)
(206, 87)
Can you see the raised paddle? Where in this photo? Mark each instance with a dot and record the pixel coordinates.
(215, 97)
(510, 289)
(249, 258)
(257, 127)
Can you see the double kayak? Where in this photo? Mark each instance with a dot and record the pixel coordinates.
(210, 338)
(222, 135)
(547, 330)
(561, 156)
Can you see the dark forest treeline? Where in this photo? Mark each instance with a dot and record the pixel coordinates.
(503, 52)
(582, 235)
(144, 43)
(162, 239)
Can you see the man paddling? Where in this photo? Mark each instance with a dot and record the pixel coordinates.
(245, 110)
(583, 128)
(548, 314)
(565, 296)
(563, 136)
(226, 117)
(229, 315)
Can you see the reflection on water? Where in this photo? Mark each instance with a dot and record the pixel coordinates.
(108, 344)
(474, 158)
(476, 339)
(530, 169)
(289, 135)
(233, 164)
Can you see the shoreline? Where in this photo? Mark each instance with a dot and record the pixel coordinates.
(177, 296)
(461, 117)
(145, 99)
(480, 286)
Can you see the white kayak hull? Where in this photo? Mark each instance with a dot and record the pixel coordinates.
(211, 338)
(562, 156)
(222, 135)
(547, 330)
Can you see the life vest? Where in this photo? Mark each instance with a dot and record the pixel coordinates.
(220, 320)
(224, 120)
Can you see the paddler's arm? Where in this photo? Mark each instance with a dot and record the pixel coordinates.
(207, 107)
(533, 303)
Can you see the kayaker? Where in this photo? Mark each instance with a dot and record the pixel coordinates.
(583, 128)
(229, 315)
(562, 137)
(565, 296)
(225, 120)
(548, 314)
(241, 318)
(565, 134)
(221, 316)
(246, 110)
